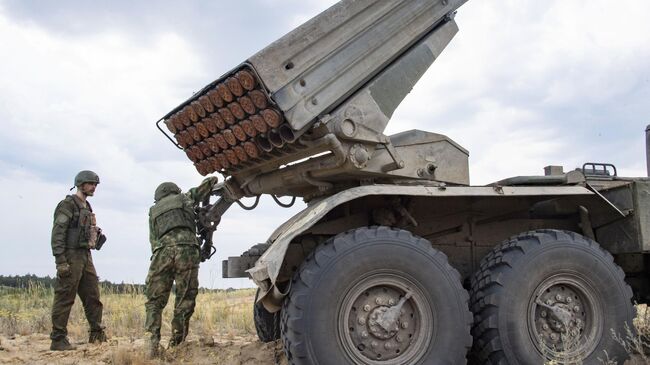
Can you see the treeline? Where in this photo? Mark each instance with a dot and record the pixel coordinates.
(29, 280)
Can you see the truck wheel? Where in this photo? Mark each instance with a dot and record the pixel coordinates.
(376, 296)
(549, 295)
(267, 325)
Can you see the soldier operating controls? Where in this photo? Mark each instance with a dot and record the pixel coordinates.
(175, 258)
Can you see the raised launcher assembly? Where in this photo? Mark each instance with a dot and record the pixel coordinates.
(330, 85)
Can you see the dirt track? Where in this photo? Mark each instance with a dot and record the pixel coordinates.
(34, 349)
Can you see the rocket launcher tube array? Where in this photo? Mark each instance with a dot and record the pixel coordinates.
(257, 112)
(217, 130)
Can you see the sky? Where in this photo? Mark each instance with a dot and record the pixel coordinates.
(524, 84)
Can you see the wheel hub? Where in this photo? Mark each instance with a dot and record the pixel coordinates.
(564, 320)
(378, 330)
(560, 317)
(383, 323)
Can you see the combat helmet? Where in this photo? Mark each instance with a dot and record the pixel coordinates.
(165, 189)
(86, 176)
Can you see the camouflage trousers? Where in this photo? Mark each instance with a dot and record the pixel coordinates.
(82, 280)
(171, 264)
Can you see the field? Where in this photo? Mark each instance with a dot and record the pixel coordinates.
(221, 331)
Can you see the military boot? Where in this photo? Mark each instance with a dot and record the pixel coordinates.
(61, 344)
(151, 345)
(176, 339)
(97, 336)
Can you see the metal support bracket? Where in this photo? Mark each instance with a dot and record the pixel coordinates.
(397, 163)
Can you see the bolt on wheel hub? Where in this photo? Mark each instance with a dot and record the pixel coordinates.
(563, 318)
(384, 323)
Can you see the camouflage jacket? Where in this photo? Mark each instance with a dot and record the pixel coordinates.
(182, 236)
(64, 214)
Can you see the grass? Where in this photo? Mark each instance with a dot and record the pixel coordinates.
(27, 311)
(636, 341)
(226, 313)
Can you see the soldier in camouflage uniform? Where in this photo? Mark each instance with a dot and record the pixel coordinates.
(175, 248)
(74, 233)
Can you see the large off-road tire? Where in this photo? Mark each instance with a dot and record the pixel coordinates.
(548, 295)
(338, 310)
(267, 325)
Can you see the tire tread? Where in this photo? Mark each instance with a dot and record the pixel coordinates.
(292, 314)
(485, 285)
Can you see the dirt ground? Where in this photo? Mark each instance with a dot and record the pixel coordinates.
(34, 349)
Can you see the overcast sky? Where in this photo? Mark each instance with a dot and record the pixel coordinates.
(523, 85)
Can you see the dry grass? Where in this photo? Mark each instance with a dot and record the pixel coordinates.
(635, 341)
(27, 311)
(224, 313)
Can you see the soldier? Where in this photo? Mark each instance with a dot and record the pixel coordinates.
(74, 233)
(175, 257)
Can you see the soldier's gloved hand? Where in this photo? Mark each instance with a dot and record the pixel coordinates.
(213, 180)
(63, 270)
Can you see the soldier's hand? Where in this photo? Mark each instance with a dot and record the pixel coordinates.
(213, 180)
(63, 270)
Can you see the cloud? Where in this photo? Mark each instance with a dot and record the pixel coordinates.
(524, 84)
(91, 103)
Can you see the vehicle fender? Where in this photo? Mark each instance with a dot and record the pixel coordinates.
(267, 268)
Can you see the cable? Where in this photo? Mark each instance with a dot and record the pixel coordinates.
(257, 200)
(293, 200)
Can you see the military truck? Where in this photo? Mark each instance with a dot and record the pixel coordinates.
(397, 259)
